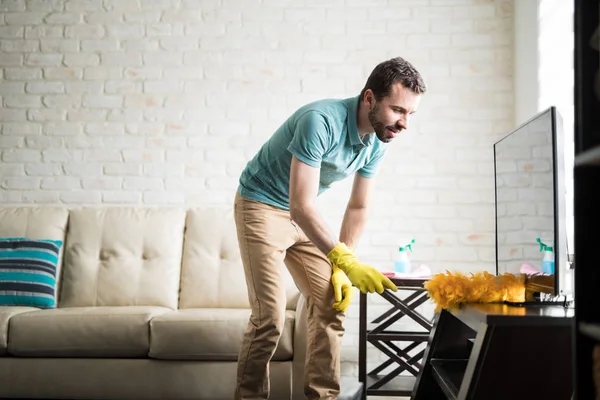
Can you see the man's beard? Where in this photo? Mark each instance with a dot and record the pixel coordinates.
(378, 126)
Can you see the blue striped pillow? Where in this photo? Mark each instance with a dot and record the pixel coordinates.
(28, 272)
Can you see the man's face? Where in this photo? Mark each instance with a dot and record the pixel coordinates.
(391, 114)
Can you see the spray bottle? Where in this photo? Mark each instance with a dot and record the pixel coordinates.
(548, 259)
(402, 263)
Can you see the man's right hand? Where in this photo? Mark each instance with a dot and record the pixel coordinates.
(366, 278)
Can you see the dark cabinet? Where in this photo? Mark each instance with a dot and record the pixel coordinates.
(497, 351)
(586, 195)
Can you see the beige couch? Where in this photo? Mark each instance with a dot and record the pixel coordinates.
(152, 304)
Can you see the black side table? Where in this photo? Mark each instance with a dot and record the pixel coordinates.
(396, 345)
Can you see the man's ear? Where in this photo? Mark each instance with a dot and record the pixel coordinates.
(370, 97)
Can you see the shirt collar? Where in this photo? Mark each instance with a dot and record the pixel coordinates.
(355, 140)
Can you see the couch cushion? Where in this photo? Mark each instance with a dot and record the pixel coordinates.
(28, 272)
(209, 334)
(212, 274)
(5, 314)
(123, 256)
(82, 332)
(36, 223)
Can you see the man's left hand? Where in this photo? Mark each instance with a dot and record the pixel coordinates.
(342, 289)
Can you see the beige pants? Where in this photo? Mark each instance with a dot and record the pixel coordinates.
(269, 238)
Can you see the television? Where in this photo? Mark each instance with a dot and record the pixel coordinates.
(530, 205)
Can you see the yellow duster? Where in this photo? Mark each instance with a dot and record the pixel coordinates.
(449, 290)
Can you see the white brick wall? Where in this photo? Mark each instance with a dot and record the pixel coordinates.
(163, 102)
(556, 46)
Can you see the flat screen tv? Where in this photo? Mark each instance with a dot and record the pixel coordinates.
(530, 204)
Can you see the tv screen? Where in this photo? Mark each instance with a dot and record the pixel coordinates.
(531, 234)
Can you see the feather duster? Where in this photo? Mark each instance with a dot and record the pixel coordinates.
(449, 290)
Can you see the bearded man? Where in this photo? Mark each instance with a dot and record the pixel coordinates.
(278, 223)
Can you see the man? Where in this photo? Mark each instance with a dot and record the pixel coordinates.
(277, 222)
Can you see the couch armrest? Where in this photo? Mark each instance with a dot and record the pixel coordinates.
(300, 328)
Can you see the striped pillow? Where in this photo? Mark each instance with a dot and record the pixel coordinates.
(28, 272)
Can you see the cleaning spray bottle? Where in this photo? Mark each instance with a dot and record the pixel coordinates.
(402, 263)
(548, 259)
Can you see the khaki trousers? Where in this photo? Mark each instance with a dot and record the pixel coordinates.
(268, 239)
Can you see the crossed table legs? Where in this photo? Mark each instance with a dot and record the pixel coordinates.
(395, 345)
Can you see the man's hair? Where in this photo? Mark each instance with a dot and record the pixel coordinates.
(386, 73)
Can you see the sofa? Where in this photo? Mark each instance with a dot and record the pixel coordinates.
(151, 303)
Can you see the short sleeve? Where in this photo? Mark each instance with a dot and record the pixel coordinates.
(310, 138)
(371, 168)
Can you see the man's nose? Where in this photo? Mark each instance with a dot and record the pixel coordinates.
(403, 123)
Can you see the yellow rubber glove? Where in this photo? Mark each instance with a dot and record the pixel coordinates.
(342, 288)
(366, 278)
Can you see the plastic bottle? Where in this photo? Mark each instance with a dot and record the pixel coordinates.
(548, 258)
(402, 262)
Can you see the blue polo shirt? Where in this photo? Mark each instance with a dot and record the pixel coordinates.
(322, 134)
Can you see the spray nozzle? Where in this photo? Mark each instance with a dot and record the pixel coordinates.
(408, 246)
(543, 246)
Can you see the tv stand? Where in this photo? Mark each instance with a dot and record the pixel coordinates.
(497, 351)
(545, 299)
(563, 304)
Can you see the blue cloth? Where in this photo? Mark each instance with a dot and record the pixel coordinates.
(28, 272)
(322, 134)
